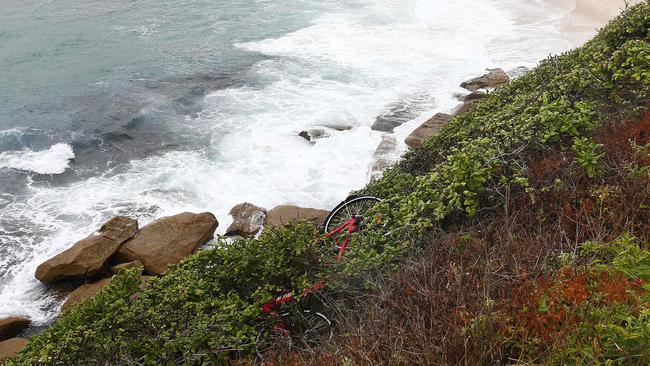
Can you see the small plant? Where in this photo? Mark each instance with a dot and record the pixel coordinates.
(588, 153)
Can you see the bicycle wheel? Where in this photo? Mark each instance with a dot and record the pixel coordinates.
(311, 330)
(352, 207)
(269, 339)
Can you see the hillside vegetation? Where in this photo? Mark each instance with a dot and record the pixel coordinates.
(520, 234)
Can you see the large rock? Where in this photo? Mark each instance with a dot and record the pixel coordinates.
(248, 219)
(12, 326)
(427, 129)
(493, 78)
(85, 292)
(168, 240)
(285, 213)
(88, 257)
(11, 347)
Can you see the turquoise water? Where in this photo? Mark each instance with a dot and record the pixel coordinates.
(150, 108)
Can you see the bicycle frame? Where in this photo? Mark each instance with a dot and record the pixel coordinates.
(348, 227)
(352, 226)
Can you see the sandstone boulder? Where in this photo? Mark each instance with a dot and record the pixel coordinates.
(88, 256)
(285, 213)
(427, 129)
(168, 240)
(493, 78)
(11, 347)
(248, 219)
(85, 292)
(12, 326)
(128, 265)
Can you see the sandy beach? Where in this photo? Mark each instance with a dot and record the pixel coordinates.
(590, 15)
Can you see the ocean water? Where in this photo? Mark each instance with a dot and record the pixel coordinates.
(150, 108)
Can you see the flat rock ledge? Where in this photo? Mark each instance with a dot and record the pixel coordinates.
(168, 240)
(286, 213)
(11, 347)
(248, 220)
(427, 129)
(88, 257)
(12, 326)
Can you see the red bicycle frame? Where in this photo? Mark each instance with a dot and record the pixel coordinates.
(352, 226)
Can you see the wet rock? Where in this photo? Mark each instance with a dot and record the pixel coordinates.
(383, 157)
(248, 219)
(286, 213)
(465, 107)
(475, 95)
(427, 129)
(11, 347)
(87, 257)
(518, 72)
(494, 78)
(128, 265)
(12, 326)
(168, 240)
(339, 127)
(314, 134)
(85, 292)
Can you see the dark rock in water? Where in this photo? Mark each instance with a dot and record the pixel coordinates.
(518, 72)
(87, 257)
(286, 213)
(383, 156)
(12, 326)
(84, 292)
(494, 78)
(11, 347)
(248, 220)
(427, 129)
(339, 127)
(400, 112)
(168, 240)
(314, 134)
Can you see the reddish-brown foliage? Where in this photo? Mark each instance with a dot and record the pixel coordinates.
(548, 309)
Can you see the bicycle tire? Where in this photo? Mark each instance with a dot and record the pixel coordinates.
(318, 329)
(306, 339)
(345, 210)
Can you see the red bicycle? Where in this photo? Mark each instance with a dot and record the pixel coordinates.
(303, 329)
(350, 216)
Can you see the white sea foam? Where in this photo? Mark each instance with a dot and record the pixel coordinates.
(344, 69)
(55, 160)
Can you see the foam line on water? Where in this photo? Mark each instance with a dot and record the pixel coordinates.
(55, 160)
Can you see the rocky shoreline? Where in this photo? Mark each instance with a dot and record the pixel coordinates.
(89, 264)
